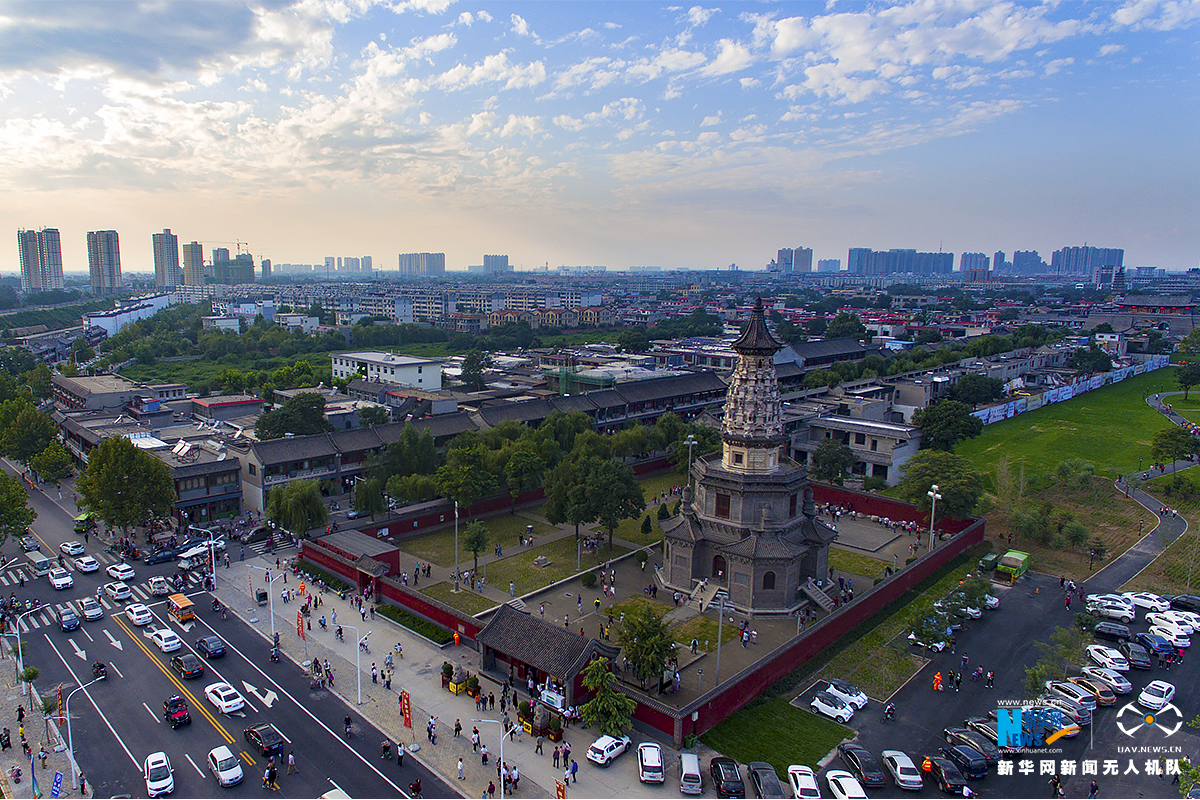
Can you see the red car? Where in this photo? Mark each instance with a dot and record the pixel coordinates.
(175, 711)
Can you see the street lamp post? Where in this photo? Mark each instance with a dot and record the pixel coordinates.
(70, 741)
(270, 595)
(20, 654)
(358, 658)
(503, 735)
(456, 545)
(933, 494)
(690, 441)
(720, 623)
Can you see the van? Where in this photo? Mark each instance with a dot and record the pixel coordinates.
(180, 607)
(84, 522)
(690, 781)
(39, 564)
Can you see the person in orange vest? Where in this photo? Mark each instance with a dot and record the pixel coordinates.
(937, 682)
(927, 765)
(456, 638)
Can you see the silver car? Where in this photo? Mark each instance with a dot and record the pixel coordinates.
(904, 771)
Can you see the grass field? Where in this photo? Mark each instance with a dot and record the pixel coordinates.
(856, 563)
(1109, 427)
(519, 567)
(465, 600)
(778, 733)
(503, 529)
(203, 371)
(1177, 570)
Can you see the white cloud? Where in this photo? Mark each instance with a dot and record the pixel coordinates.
(569, 122)
(1111, 49)
(710, 121)
(466, 18)
(734, 56)
(423, 6)
(516, 125)
(494, 69)
(520, 26)
(1057, 64)
(748, 83)
(483, 15)
(697, 16)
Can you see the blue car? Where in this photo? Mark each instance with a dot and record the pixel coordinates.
(210, 646)
(1155, 645)
(161, 556)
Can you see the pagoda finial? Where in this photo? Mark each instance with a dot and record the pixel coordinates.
(757, 338)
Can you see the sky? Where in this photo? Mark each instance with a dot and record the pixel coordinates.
(616, 134)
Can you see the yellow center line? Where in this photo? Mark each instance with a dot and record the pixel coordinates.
(171, 677)
(248, 757)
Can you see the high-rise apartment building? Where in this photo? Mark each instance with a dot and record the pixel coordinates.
(266, 269)
(331, 264)
(829, 265)
(193, 264)
(220, 254)
(104, 261)
(974, 261)
(864, 261)
(230, 272)
(856, 260)
(366, 264)
(167, 274)
(423, 264)
(1028, 262)
(494, 265)
(795, 260)
(41, 259)
(1082, 261)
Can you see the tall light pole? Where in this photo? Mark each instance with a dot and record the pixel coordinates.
(456, 545)
(21, 655)
(720, 623)
(70, 741)
(690, 441)
(503, 735)
(270, 595)
(933, 494)
(358, 658)
(212, 552)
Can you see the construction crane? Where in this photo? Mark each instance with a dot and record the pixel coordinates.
(237, 243)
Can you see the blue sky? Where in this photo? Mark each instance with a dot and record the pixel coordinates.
(623, 133)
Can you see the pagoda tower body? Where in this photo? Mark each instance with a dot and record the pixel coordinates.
(749, 525)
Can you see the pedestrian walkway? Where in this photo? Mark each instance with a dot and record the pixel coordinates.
(36, 729)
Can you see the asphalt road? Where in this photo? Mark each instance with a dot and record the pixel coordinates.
(1005, 640)
(117, 722)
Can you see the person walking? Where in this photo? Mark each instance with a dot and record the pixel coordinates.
(374, 673)
(457, 728)
(990, 681)
(461, 777)
(475, 740)
(483, 753)
(574, 771)
(1055, 784)
(538, 748)
(292, 762)
(1094, 790)
(399, 754)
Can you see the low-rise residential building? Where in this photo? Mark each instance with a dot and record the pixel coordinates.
(420, 373)
(108, 392)
(881, 448)
(231, 324)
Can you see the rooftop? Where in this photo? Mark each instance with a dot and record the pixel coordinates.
(388, 358)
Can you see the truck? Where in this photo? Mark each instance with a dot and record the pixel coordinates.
(1014, 563)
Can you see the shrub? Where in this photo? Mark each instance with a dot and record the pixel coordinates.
(909, 560)
(334, 582)
(524, 708)
(874, 484)
(647, 525)
(588, 579)
(556, 723)
(416, 624)
(663, 513)
(675, 509)
(643, 557)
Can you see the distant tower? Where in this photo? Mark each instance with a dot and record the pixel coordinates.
(266, 269)
(104, 261)
(193, 264)
(167, 274)
(41, 259)
(1118, 284)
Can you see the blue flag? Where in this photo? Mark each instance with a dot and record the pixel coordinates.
(37, 791)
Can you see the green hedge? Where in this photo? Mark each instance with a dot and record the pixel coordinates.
(335, 583)
(416, 624)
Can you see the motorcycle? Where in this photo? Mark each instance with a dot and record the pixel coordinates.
(275, 654)
(99, 671)
(889, 712)
(14, 774)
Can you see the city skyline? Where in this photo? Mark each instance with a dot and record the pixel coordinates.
(614, 134)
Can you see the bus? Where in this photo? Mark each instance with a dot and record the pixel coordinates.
(39, 564)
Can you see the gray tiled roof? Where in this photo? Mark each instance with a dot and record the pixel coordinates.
(205, 468)
(828, 347)
(759, 546)
(671, 386)
(554, 650)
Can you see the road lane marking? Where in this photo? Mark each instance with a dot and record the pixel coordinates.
(249, 758)
(114, 642)
(193, 763)
(85, 633)
(267, 698)
(114, 666)
(150, 712)
(81, 653)
(85, 689)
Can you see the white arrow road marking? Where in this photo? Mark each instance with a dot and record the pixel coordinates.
(81, 653)
(267, 698)
(113, 641)
(193, 763)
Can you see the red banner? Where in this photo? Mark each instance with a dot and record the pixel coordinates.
(406, 708)
(560, 790)
(300, 624)
(62, 715)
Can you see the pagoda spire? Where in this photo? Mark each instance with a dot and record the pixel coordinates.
(752, 431)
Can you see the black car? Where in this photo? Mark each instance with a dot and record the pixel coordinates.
(970, 762)
(67, 620)
(1155, 645)
(946, 775)
(175, 711)
(210, 646)
(30, 543)
(161, 556)
(1135, 654)
(975, 740)
(1112, 631)
(1184, 602)
(862, 764)
(187, 665)
(764, 780)
(267, 741)
(726, 777)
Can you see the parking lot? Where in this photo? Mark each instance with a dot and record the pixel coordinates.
(1005, 640)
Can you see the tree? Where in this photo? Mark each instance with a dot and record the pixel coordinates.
(15, 513)
(568, 496)
(1188, 376)
(789, 332)
(958, 482)
(634, 340)
(945, 424)
(40, 381)
(301, 415)
(1090, 361)
(297, 507)
(373, 415)
(647, 525)
(832, 459)
(1173, 444)
(464, 476)
(125, 485)
(523, 470)
(609, 711)
(473, 365)
(53, 463)
(412, 488)
(973, 389)
(368, 497)
(846, 326)
(616, 495)
(647, 643)
(29, 434)
(475, 540)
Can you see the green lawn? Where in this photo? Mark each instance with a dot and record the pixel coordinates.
(519, 567)
(503, 529)
(464, 600)
(778, 733)
(204, 371)
(704, 630)
(1109, 427)
(856, 563)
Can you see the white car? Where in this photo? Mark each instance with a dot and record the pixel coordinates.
(1112, 598)
(1107, 657)
(651, 768)
(904, 771)
(159, 776)
(843, 785)
(166, 640)
(159, 586)
(803, 782)
(61, 579)
(138, 614)
(117, 590)
(1147, 600)
(86, 564)
(120, 572)
(1156, 695)
(71, 548)
(847, 691)
(224, 697)
(1112, 609)
(606, 748)
(1119, 683)
(831, 706)
(1171, 619)
(90, 609)
(225, 766)
(936, 647)
(1172, 634)
(991, 601)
